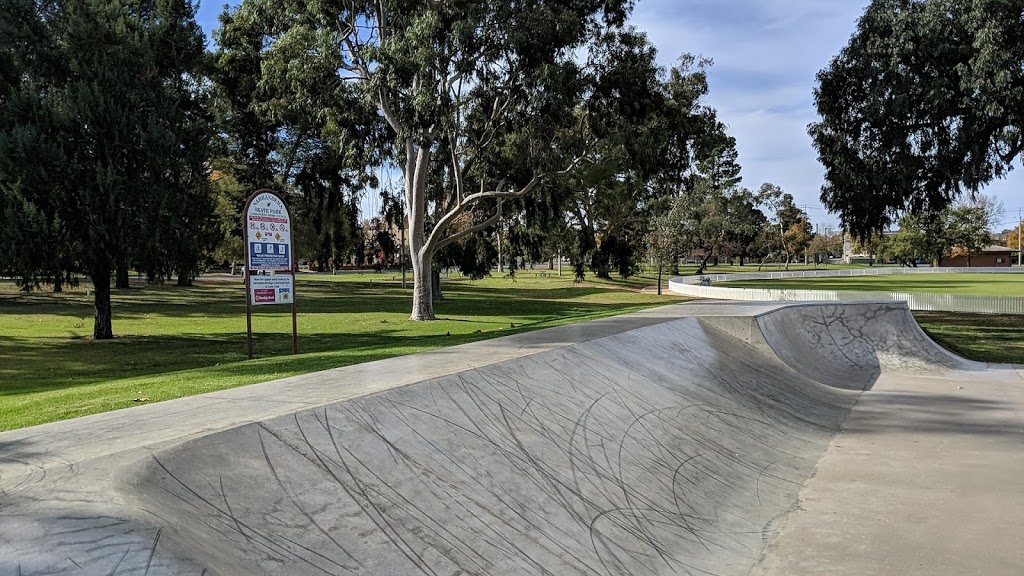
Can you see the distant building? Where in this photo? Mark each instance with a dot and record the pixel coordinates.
(991, 257)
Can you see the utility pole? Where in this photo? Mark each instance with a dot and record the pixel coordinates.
(1020, 232)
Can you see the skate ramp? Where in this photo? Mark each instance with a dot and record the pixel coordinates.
(850, 346)
(675, 448)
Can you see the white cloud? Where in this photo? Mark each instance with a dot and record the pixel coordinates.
(766, 57)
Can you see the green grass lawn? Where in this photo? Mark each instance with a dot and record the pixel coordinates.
(972, 284)
(173, 342)
(982, 337)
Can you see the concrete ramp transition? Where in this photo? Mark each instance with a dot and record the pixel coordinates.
(678, 446)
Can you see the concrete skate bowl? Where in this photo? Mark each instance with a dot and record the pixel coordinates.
(850, 345)
(676, 448)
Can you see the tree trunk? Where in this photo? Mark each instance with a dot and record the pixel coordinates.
(659, 279)
(122, 276)
(58, 283)
(422, 302)
(501, 265)
(435, 285)
(703, 264)
(102, 328)
(184, 280)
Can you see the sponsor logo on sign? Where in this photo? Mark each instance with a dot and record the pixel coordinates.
(264, 295)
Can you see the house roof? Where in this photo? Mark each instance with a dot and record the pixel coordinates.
(999, 249)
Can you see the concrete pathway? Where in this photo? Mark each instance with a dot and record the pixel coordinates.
(926, 478)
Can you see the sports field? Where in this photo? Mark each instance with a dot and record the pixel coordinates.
(972, 284)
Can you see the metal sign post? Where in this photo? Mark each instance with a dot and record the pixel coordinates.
(268, 247)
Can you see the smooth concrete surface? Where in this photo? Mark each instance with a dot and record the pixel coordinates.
(926, 478)
(675, 441)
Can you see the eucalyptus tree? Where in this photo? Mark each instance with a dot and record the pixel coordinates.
(643, 166)
(103, 131)
(495, 83)
(788, 229)
(924, 105)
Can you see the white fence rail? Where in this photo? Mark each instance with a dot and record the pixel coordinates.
(704, 287)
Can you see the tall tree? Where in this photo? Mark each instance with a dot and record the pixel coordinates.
(789, 229)
(488, 88)
(745, 224)
(967, 231)
(110, 104)
(643, 167)
(925, 104)
(662, 240)
(707, 216)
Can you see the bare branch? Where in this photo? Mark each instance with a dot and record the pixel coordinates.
(462, 233)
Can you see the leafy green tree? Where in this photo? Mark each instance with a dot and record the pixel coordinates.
(911, 242)
(745, 224)
(718, 158)
(825, 244)
(789, 229)
(925, 104)
(487, 88)
(967, 231)
(229, 198)
(662, 241)
(707, 215)
(103, 132)
(639, 171)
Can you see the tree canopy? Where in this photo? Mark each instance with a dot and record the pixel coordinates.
(924, 105)
(483, 101)
(103, 140)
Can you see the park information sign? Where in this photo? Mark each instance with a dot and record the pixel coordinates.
(269, 258)
(268, 232)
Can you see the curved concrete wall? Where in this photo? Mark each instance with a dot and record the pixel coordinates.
(690, 286)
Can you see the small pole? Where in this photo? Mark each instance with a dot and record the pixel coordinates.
(248, 292)
(294, 269)
(1020, 232)
(295, 327)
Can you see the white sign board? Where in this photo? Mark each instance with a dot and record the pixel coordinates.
(278, 289)
(268, 233)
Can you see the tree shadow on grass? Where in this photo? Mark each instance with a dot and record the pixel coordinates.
(313, 297)
(48, 364)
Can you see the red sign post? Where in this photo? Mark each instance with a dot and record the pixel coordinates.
(268, 247)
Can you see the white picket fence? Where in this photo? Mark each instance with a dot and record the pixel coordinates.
(704, 287)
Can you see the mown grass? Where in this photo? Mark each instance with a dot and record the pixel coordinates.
(174, 342)
(967, 284)
(982, 337)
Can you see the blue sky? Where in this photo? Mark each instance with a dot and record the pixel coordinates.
(766, 55)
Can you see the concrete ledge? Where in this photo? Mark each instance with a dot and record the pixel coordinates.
(704, 287)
